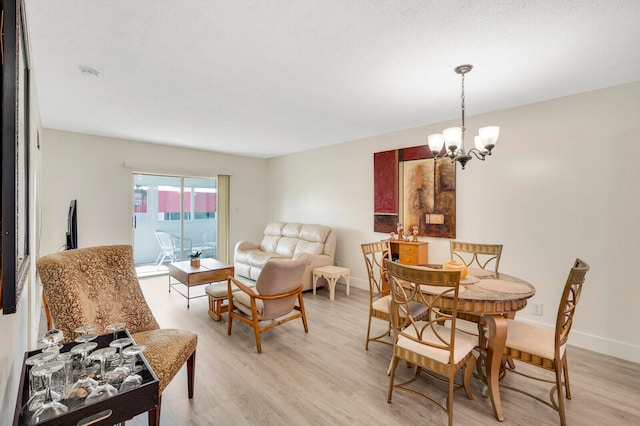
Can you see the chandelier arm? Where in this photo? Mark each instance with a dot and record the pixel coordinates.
(477, 153)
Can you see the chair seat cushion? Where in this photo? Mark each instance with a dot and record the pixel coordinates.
(384, 305)
(242, 301)
(220, 290)
(468, 327)
(464, 343)
(167, 351)
(531, 339)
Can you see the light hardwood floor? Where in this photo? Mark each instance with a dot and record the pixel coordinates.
(327, 378)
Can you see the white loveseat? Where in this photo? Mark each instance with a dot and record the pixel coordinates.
(289, 241)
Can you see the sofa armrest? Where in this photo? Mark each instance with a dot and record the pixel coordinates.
(246, 245)
(315, 260)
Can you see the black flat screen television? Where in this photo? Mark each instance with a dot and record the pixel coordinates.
(72, 226)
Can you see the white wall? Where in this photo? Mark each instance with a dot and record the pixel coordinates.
(92, 170)
(562, 183)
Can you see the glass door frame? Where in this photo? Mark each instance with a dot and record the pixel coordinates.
(156, 198)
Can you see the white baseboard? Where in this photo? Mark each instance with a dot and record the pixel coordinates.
(598, 344)
(601, 345)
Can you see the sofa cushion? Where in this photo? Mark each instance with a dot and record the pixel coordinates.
(287, 246)
(270, 242)
(305, 246)
(315, 233)
(292, 230)
(272, 234)
(274, 228)
(256, 258)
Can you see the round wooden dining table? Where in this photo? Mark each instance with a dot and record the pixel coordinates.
(493, 297)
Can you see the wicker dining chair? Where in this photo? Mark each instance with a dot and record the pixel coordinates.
(432, 344)
(479, 257)
(547, 349)
(476, 255)
(98, 286)
(379, 298)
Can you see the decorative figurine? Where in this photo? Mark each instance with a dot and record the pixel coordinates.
(415, 233)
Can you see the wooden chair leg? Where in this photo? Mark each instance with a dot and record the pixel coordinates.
(392, 367)
(154, 415)
(450, 401)
(302, 311)
(565, 368)
(47, 312)
(229, 318)
(256, 331)
(468, 373)
(366, 345)
(191, 368)
(559, 395)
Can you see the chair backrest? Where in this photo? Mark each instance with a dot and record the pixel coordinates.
(208, 238)
(166, 243)
(435, 289)
(483, 256)
(279, 277)
(94, 286)
(374, 255)
(569, 300)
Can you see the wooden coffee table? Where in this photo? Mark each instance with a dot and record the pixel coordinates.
(209, 271)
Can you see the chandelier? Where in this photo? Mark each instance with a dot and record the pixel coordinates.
(453, 137)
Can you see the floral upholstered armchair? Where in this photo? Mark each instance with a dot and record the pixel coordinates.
(98, 286)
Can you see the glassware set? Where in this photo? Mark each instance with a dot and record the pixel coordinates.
(57, 378)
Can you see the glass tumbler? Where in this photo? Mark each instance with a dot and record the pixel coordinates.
(62, 380)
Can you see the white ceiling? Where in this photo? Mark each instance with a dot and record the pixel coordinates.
(266, 78)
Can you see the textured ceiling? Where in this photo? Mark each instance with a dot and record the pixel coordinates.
(266, 78)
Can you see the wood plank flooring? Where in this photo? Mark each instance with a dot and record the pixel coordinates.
(326, 377)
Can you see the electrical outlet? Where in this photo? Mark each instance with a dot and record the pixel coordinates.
(537, 308)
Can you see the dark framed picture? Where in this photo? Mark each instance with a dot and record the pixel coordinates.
(416, 191)
(15, 157)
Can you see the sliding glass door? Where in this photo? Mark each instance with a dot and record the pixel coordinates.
(172, 218)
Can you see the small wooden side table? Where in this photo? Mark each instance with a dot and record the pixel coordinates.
(331, 274)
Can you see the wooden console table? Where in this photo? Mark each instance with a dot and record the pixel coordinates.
(410, 252)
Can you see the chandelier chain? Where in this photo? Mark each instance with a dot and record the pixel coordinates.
(462, 104)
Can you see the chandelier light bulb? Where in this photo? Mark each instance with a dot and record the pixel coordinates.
(452, 138)
(489, 136)
(436, 142)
